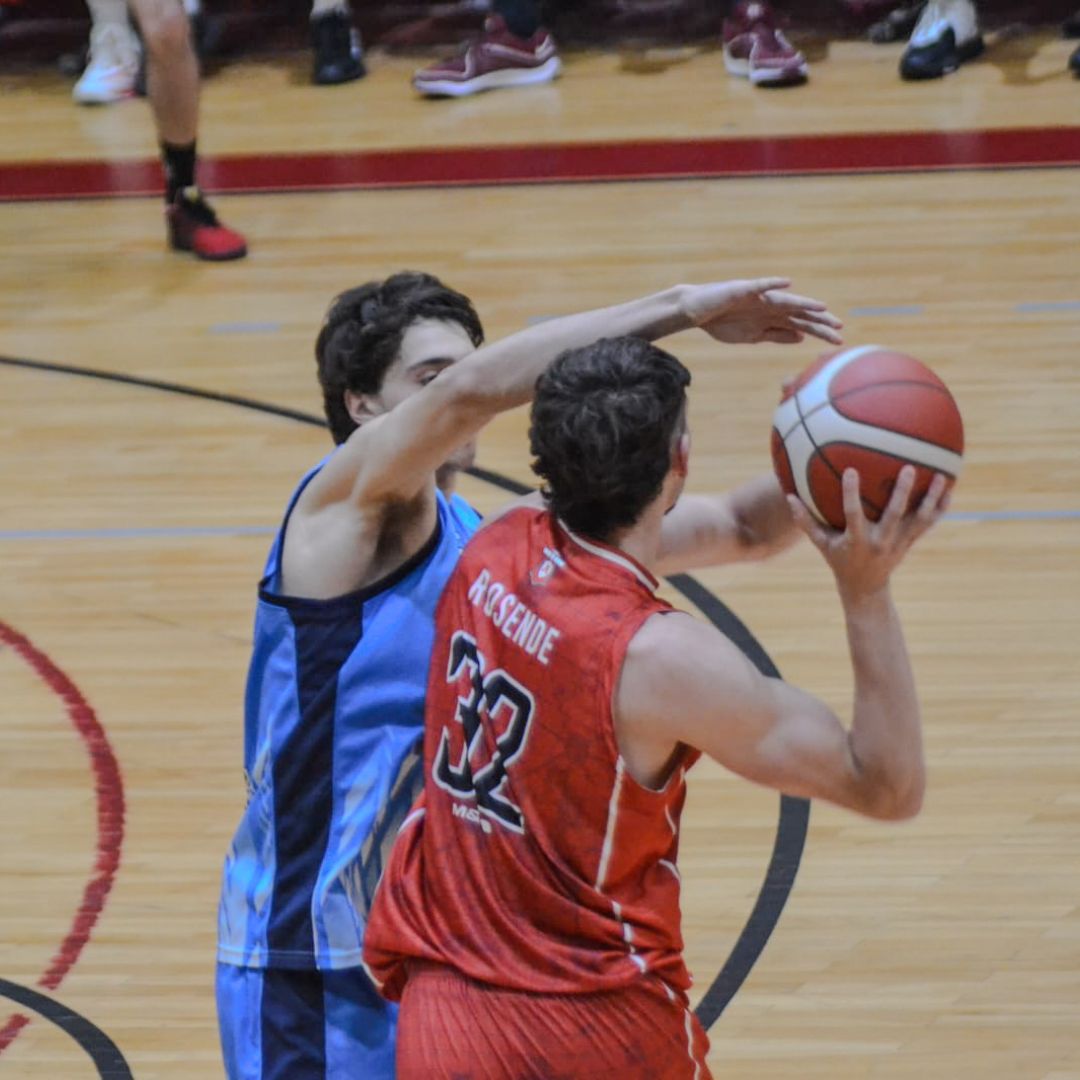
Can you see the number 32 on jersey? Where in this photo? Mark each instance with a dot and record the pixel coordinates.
(498, 702)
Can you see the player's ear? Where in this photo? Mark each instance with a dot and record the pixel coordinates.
(680, 459)
(362, 407)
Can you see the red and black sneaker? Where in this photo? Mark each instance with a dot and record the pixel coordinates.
(194, 227)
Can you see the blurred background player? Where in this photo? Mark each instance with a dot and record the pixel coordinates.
(344, 631)
(528, 919)
(516, 50)
(113, 66)
(172, 85)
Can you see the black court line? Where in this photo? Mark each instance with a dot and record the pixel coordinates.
(102, 1051)
(794, 816)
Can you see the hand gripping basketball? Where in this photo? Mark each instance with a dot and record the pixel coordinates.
(864, 555)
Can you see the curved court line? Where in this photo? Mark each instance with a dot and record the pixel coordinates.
(102, 1051)
(794, 813)
(109, 793)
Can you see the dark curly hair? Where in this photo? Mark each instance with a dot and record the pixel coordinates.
(361, 335)
(604, 421)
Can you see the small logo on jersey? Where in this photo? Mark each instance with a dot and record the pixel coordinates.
(470, 813)
(553, 561)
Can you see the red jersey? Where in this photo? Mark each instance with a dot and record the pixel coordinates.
(533, 860)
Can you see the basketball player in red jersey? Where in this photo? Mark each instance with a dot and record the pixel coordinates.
(529, 917)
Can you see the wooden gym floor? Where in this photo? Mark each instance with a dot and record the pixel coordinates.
(135, 518)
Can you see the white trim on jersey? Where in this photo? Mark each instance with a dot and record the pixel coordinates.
(611, 556)
(378, 985)
(414, 815)
(605, 858)
(628, 937)
(609, 832)
(690, 1044)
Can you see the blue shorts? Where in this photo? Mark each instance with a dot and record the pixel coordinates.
(304, 1025)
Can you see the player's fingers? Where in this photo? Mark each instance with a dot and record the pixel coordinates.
(807, 523)
(932, 506)
(820, 314)
(782, 336)
(787, 386)
(818, 330)
(770, 284)
(853, 509)
(795, 302)
(889, 525)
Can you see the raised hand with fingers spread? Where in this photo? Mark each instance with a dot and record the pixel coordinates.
(746, 312)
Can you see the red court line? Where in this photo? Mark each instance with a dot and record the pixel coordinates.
(799, 155)
(10, 1031)
(109, 790)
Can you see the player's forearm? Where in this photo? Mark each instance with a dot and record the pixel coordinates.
(763, 518)
(886, 734)
(751, 522)
(503, 374)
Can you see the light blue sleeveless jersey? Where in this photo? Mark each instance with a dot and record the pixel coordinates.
(334, 718)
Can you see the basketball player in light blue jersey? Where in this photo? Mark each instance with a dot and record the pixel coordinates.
(343, 635)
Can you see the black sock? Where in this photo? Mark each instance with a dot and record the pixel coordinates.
(522, 17)
(179, 162)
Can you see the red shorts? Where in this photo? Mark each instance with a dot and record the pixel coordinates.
(452, 1028)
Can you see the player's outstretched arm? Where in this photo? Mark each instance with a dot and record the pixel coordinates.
(753, 521)
(685, 682)
(391, 457)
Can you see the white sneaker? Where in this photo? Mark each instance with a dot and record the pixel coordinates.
(112, 67)
(946, 35)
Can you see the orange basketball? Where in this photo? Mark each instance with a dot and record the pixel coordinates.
(869, 409)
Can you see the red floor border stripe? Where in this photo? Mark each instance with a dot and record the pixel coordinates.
(109, 791)
(797, 155)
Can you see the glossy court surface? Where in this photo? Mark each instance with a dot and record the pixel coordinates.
(939, 219)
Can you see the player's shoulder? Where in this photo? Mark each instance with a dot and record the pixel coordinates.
(671, 643)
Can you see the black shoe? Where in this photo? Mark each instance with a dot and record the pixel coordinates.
(945, 36)
(1074, 62)
(337, 50)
